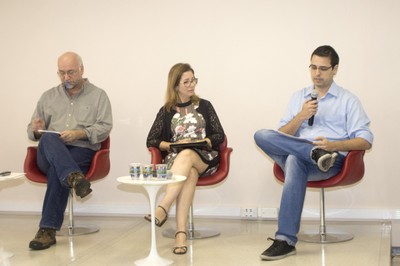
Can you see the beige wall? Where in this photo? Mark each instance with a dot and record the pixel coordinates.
(249, 56)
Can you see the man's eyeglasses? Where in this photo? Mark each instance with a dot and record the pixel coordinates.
(191, 82)
(320, 68)
(69, 73)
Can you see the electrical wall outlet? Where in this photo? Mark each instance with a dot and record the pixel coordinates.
(249, 213)
(268, 212)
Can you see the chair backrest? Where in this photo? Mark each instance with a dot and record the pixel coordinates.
(99, 168)
(352, 172)
(213, 179)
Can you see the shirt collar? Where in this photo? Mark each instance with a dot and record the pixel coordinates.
(333, 90)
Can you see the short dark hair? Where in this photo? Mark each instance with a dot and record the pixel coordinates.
(327, 51)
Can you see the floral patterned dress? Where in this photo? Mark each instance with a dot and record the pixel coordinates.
(187, 123)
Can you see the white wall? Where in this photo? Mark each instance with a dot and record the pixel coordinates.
(249, 56)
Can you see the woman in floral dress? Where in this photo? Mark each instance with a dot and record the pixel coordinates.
(184, 118)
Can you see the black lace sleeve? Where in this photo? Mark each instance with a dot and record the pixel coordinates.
(155, 135)
(214, 129)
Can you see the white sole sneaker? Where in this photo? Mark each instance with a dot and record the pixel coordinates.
(266, 257)
(326, 161)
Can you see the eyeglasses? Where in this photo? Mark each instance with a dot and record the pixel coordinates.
(191, 82)
(320, 68)
(70, 73)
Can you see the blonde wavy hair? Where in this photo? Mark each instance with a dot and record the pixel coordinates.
(174, 78)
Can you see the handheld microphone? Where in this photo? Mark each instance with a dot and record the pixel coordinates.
(68, 85)
(314, 96)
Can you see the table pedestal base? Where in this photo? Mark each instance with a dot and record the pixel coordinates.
(153, 260)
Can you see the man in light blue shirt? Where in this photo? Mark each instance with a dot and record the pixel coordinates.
(322, 123)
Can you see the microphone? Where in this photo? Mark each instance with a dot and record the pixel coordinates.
(68, 85)
(314, 96)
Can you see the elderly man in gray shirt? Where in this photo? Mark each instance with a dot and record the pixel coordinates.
(78, 116)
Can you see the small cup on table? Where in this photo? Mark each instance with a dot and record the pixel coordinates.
(135, 170)
(161, 170)
(147, 170)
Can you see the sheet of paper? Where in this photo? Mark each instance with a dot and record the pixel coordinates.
(48, 131)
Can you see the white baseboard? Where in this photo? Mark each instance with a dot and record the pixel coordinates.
(207, 211)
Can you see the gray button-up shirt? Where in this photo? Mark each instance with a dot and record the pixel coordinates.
(89, 110)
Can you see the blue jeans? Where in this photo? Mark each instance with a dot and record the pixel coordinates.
(294, 157)
(57, 161)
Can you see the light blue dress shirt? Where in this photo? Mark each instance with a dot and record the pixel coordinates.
(340, 116)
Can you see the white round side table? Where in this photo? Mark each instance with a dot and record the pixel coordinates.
(152, 186)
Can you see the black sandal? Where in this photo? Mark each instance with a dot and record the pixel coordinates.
(157, 221)
(184, 248)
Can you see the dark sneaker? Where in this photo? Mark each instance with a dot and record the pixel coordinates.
(278, 250)
(78, 182)
(44, 238)
(324, 159)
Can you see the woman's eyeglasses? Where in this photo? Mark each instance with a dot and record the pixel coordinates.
(191, 82)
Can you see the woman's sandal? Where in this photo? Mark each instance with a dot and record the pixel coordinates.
(157, 221)
(183, 248)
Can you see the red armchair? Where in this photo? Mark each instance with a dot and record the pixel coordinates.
(210, 180)
(352, 172)
(99, 168)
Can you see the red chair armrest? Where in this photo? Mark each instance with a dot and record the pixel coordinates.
(31, 169)
(100, 166)
(156, 156)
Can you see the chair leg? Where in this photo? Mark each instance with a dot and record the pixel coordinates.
(193, 233)
(72, 229)
(323, 237)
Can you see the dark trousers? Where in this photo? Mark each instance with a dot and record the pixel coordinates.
(57, 160)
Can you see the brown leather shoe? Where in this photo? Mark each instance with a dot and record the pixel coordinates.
(77, 181)
(44, 238)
